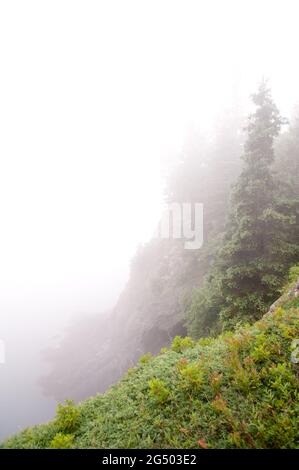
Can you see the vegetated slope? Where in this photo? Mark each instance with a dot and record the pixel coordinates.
(239, 390)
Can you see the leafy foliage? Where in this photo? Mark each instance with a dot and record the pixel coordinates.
(180, 344)
(67, 416)
(158, 391)
(294, 274)
(145, 358)
(62, 441)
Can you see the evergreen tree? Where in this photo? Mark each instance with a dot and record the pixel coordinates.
(261, 239)
(287, 177)
(257, 250)
(287, 164)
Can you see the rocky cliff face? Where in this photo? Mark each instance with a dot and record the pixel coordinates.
(290, 294)
(148, 314)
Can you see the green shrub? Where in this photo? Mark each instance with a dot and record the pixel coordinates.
(191, 375)
(294, 274)
(145, 358)
(62, 441)
(180, 344)
(261, 349)
(67, 416)
(158, 391)
(163, 350)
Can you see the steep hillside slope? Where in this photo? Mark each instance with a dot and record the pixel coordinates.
(150, 310)
(95, 353)
(238, 390)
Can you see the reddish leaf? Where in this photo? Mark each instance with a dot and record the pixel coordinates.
(202, 444)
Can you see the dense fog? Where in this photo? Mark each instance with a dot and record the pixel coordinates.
(33, 322)
(97, 101)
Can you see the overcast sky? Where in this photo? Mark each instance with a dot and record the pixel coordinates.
(94, 96)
